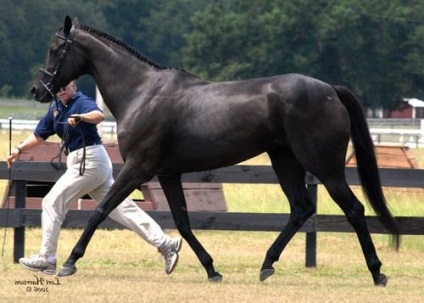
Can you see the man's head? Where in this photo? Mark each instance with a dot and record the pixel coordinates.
(66, 93)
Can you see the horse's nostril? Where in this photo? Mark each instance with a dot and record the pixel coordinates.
(33, 90)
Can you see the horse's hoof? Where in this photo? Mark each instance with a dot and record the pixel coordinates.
(266, 273)
(215, 279)
(67, 270)
(381, 280)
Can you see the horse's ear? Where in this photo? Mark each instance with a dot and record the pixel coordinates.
(67, 25)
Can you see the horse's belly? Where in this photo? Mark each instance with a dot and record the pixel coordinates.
(211, 156)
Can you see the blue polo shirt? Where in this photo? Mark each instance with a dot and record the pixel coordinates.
(56, 122)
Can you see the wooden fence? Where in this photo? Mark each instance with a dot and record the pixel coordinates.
(19, 218)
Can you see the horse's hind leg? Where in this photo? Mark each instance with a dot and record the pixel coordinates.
(291, 176)
(174, 193)
(355, 213)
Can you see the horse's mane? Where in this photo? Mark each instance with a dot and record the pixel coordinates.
(124, 45)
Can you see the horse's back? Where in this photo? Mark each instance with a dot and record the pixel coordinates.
(299, 106)
(228, 122)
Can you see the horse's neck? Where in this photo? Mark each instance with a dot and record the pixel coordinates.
(118, 89)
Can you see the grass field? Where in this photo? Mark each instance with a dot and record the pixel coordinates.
(118, 267)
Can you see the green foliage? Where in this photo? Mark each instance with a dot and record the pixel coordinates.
(5, 90)
(162, 29)
(373, 47)
(25, 32)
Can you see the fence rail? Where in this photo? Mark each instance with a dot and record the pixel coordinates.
(20, 217)
(382, 130)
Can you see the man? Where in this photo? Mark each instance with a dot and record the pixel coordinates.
(89, 171)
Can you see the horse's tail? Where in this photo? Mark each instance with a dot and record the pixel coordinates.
(367, 163)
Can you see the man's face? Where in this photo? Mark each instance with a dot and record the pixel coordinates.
(66, 93)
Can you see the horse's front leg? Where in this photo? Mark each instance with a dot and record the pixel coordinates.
(125, 184)
(174, 193)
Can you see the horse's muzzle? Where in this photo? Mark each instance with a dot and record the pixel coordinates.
(41, 95)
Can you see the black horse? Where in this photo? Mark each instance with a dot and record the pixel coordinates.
(171, 122)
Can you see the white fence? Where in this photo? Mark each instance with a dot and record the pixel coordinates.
(108, 126)
(393, 134)
(409, 137)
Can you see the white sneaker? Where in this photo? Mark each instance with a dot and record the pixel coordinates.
(39, 263)
(169, 251)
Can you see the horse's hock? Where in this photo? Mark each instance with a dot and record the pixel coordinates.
(199, 196)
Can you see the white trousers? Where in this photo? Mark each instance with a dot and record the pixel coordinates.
(96, 181)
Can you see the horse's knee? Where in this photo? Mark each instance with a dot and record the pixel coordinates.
(300, 215)
(184, 231)
(98, 216)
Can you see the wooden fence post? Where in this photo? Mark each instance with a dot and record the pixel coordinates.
(311, 237)
(19, 234)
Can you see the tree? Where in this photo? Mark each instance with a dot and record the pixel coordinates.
(12, 53)
(163, 29)
(246, 39)
(371, 47)
(26, 33)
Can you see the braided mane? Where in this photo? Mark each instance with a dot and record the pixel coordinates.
(124, 45)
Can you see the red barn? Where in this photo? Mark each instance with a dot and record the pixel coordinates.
(410, 108)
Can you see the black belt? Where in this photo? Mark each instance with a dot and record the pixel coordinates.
(67, 151)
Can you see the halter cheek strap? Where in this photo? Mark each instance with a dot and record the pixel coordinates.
(68, 41)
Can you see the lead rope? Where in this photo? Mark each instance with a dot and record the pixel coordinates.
(81, 132)
(60, 165)
(82, 165)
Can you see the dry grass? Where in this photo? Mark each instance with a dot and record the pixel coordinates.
(118, 267)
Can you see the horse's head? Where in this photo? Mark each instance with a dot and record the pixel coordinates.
(61, 65)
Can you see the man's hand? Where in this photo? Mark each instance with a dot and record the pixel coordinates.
(73, 120)
(12, 157)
